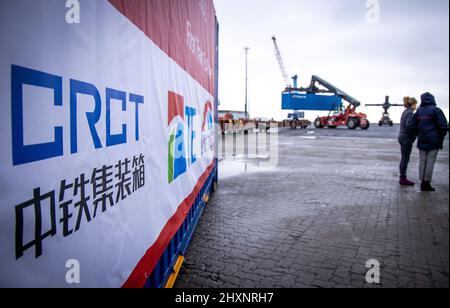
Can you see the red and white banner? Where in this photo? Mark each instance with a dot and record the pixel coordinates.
(184, 30)
(106, 127)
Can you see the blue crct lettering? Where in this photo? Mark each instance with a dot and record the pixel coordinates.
(79, 87)
(23, 154)
(118, 138)
(136, 99)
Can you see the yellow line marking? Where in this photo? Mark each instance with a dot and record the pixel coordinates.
(174, 275)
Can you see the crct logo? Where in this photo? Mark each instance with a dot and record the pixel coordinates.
(100, 101)
(181, 136)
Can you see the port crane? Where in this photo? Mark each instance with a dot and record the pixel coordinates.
(320, 95)
(296, 114)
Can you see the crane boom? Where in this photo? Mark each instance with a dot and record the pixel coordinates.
(280, 62)
(333, 89)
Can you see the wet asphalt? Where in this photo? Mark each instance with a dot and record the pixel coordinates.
(315, 210)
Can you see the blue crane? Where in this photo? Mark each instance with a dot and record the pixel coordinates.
(320, 95)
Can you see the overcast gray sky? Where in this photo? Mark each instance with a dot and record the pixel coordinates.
(406, 53)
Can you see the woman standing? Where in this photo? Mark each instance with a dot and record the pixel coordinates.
(406, 138)
(431, 126)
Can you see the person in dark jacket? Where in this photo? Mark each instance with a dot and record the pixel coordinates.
(430, 125)
(406, 138)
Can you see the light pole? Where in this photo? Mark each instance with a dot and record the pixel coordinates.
(246, 81)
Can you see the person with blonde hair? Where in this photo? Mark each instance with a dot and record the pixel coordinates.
(406, 138)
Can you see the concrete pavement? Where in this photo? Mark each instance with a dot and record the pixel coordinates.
(332, 203)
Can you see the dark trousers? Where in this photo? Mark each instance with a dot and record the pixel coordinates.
(406, 148)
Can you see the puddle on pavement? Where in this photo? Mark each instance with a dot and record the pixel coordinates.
(240, 166)
(308, 137)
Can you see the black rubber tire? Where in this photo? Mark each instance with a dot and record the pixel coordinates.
(318, 123)
(365, 127)
(352, 123)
